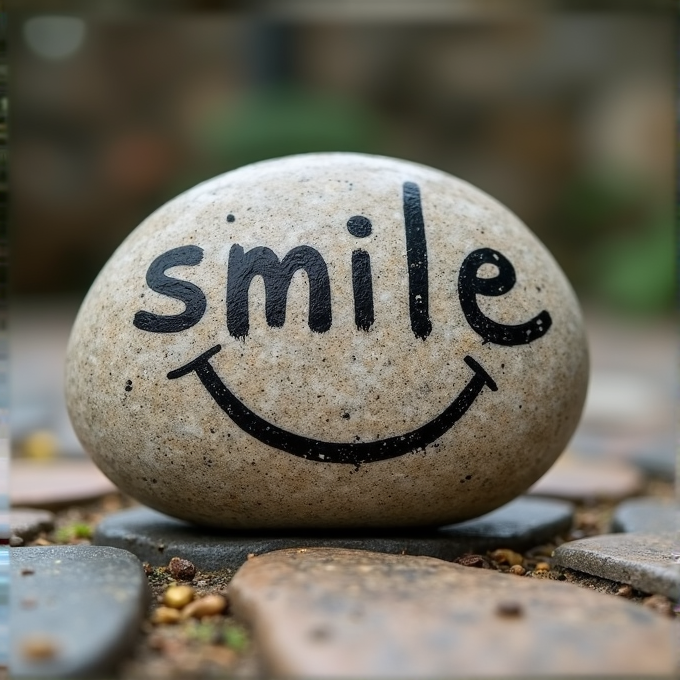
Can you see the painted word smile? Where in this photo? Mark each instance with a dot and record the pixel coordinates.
(277, 274)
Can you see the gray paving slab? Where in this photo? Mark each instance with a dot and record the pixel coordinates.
(56, 483)
(646, 515)
(578, 478)
(75, 610)
(646, 561)
(657, 459)
(319, 613)
(4, 605)
(156, 538)
(27, 523)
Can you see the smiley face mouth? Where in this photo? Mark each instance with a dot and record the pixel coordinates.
(354, 453)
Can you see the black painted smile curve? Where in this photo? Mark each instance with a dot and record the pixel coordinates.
(354, 453)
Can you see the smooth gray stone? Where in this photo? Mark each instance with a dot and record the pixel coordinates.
(85, 601)
(646, 515)
(648, 562)
(155, 538)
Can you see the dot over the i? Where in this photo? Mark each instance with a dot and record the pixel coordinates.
(359, 226)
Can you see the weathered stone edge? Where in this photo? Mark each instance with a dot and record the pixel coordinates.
(652, 579)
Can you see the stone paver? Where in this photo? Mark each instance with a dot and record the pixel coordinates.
(27, 523)
(56, 483)
(646, 561)
(155, 538)
(4, 605)
(346, 613)
(579, 478)
(74, 609)
(657, 462)
(646, 515)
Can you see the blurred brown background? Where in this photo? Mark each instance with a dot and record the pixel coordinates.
(562, 111)
(565, 116)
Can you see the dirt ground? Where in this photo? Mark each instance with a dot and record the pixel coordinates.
(216, 645)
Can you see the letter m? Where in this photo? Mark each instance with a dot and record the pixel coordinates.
(277, 275)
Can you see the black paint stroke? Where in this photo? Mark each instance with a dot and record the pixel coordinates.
(355, 453)
(359, 226)
(191, 295)
(277, 275)
(470, 285)
(362, 285)
(416, 260)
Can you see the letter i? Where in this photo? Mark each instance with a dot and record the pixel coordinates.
(362, 281)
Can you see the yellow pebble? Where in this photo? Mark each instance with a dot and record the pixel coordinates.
(517, 569)
(40, 445)
(164, 615)
(210, 605)
(178, 596)
(506, 556)
(39, 648)
(542, 566)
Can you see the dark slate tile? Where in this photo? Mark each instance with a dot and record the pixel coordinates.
(646, 515)
(648, 562)
(155, 537)
(75, 610)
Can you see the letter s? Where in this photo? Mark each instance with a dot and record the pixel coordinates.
(191, 295)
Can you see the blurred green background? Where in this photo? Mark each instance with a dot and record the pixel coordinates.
(562, 111)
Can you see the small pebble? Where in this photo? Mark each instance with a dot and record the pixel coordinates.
(40, 445)
(660, 604)
(517, 569)
(542, 566)
(181, 569)
(15, 541)
(505, 556)
(165, 615)
(473, 561)
(38, 648)
(156, 642)
(588, 520)
(27, 571)
(210, 605)
(625, 591)
(178, 596)
(222, 656)
(509, 610)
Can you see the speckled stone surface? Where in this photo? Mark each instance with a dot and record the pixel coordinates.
(80, 606)
(418, 357)
(647, 515)
(156, 538)
(647, 561)
(347, 614)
